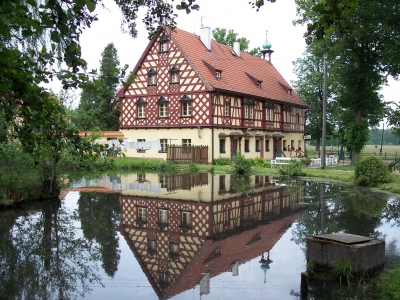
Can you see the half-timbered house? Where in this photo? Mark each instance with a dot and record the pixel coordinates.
(190, 90)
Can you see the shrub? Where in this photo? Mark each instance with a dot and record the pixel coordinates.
(241, 164)
(389, 284)
(294, 168)
(260, 162)
(371, 171)
(222, 161)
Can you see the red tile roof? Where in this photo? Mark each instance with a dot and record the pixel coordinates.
(233, 70)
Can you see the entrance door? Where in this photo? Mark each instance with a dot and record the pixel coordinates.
(277, 148)
(234, 147)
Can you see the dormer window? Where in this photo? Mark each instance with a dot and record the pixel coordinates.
(217, 74)
(163, 43)
(288, 89)
(152, 77)
(256, 81)
(174, 74)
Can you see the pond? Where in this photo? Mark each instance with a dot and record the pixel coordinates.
(183, 236)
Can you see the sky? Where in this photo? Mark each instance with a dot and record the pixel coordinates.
(286, 39)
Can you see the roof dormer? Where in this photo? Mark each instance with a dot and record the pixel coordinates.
(287, 89)
(257, 82)
(216, 72)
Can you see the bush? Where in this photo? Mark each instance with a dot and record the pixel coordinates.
(294, 168)
(371, 171)
(260, 162)
(222, 161)
(241, 164)
(389, 284)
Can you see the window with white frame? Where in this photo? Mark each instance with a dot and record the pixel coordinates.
(217, 74)
(186, 218)
(222, 182)
(141, 111)
(174, 248)
(226, 109)
(248, 112)
(152, 245)
(226, 217)
(140, 147)
(174, 78)
(142, 213)
(163, 144)
(186, 108)
(163, 109)
(186, 142)
(164, 277)
(162, 215)
(164, 47)
(267, 145)
(152, 77)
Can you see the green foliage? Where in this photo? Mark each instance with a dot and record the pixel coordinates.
(222, 161)
(220, 35)
(344, 270)
(193, 168)
(294, 168)
(389, 284)
(241, 164)
(260, 162)
(240, 182)
(99, 108)
(371, 171)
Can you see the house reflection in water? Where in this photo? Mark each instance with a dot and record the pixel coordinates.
(197, 227)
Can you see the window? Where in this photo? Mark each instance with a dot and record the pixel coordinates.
(284, 145)
(257, 145)
(174, 74)
(164, 277)
(141, 146)
(217, 74)
(226, 109)
(162, 179)
(186, 109)
(141, 177)
(163, 109)
(152, 77)
(163, 43)
(222, 146)
(164, 47)
(298, 118)
(258, 84)
(162, 215)
(174, 248)
(226, 217)
(142, 213)
(222, 182)
(246, 145)
(186, 142)
(152, 244)
(163, 144)
(186, 218)
(174, 78)
(266, 145)
(248, 112)
(141, 111)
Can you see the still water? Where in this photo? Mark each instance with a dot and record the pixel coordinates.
(181, 236)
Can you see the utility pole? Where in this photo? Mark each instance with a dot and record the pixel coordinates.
(323, 155)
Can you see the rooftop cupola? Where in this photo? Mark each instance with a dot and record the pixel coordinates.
(266, 48)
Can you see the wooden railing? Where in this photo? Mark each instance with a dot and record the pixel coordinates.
(187, 154)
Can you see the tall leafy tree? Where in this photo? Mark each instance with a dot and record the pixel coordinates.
(359, 64)
(309, 85)
(98, 108)
(221, 35)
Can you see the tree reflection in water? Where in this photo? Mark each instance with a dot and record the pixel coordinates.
(43, 256)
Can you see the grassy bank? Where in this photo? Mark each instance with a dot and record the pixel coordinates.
(341, 172)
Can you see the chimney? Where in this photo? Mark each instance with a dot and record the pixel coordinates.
(236, 48)
(205, 37)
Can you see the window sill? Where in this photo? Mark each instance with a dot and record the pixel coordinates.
(162, 151)
(222, 151)
(185, 116)
(162, 117)
(152, 84)
(174, 82)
